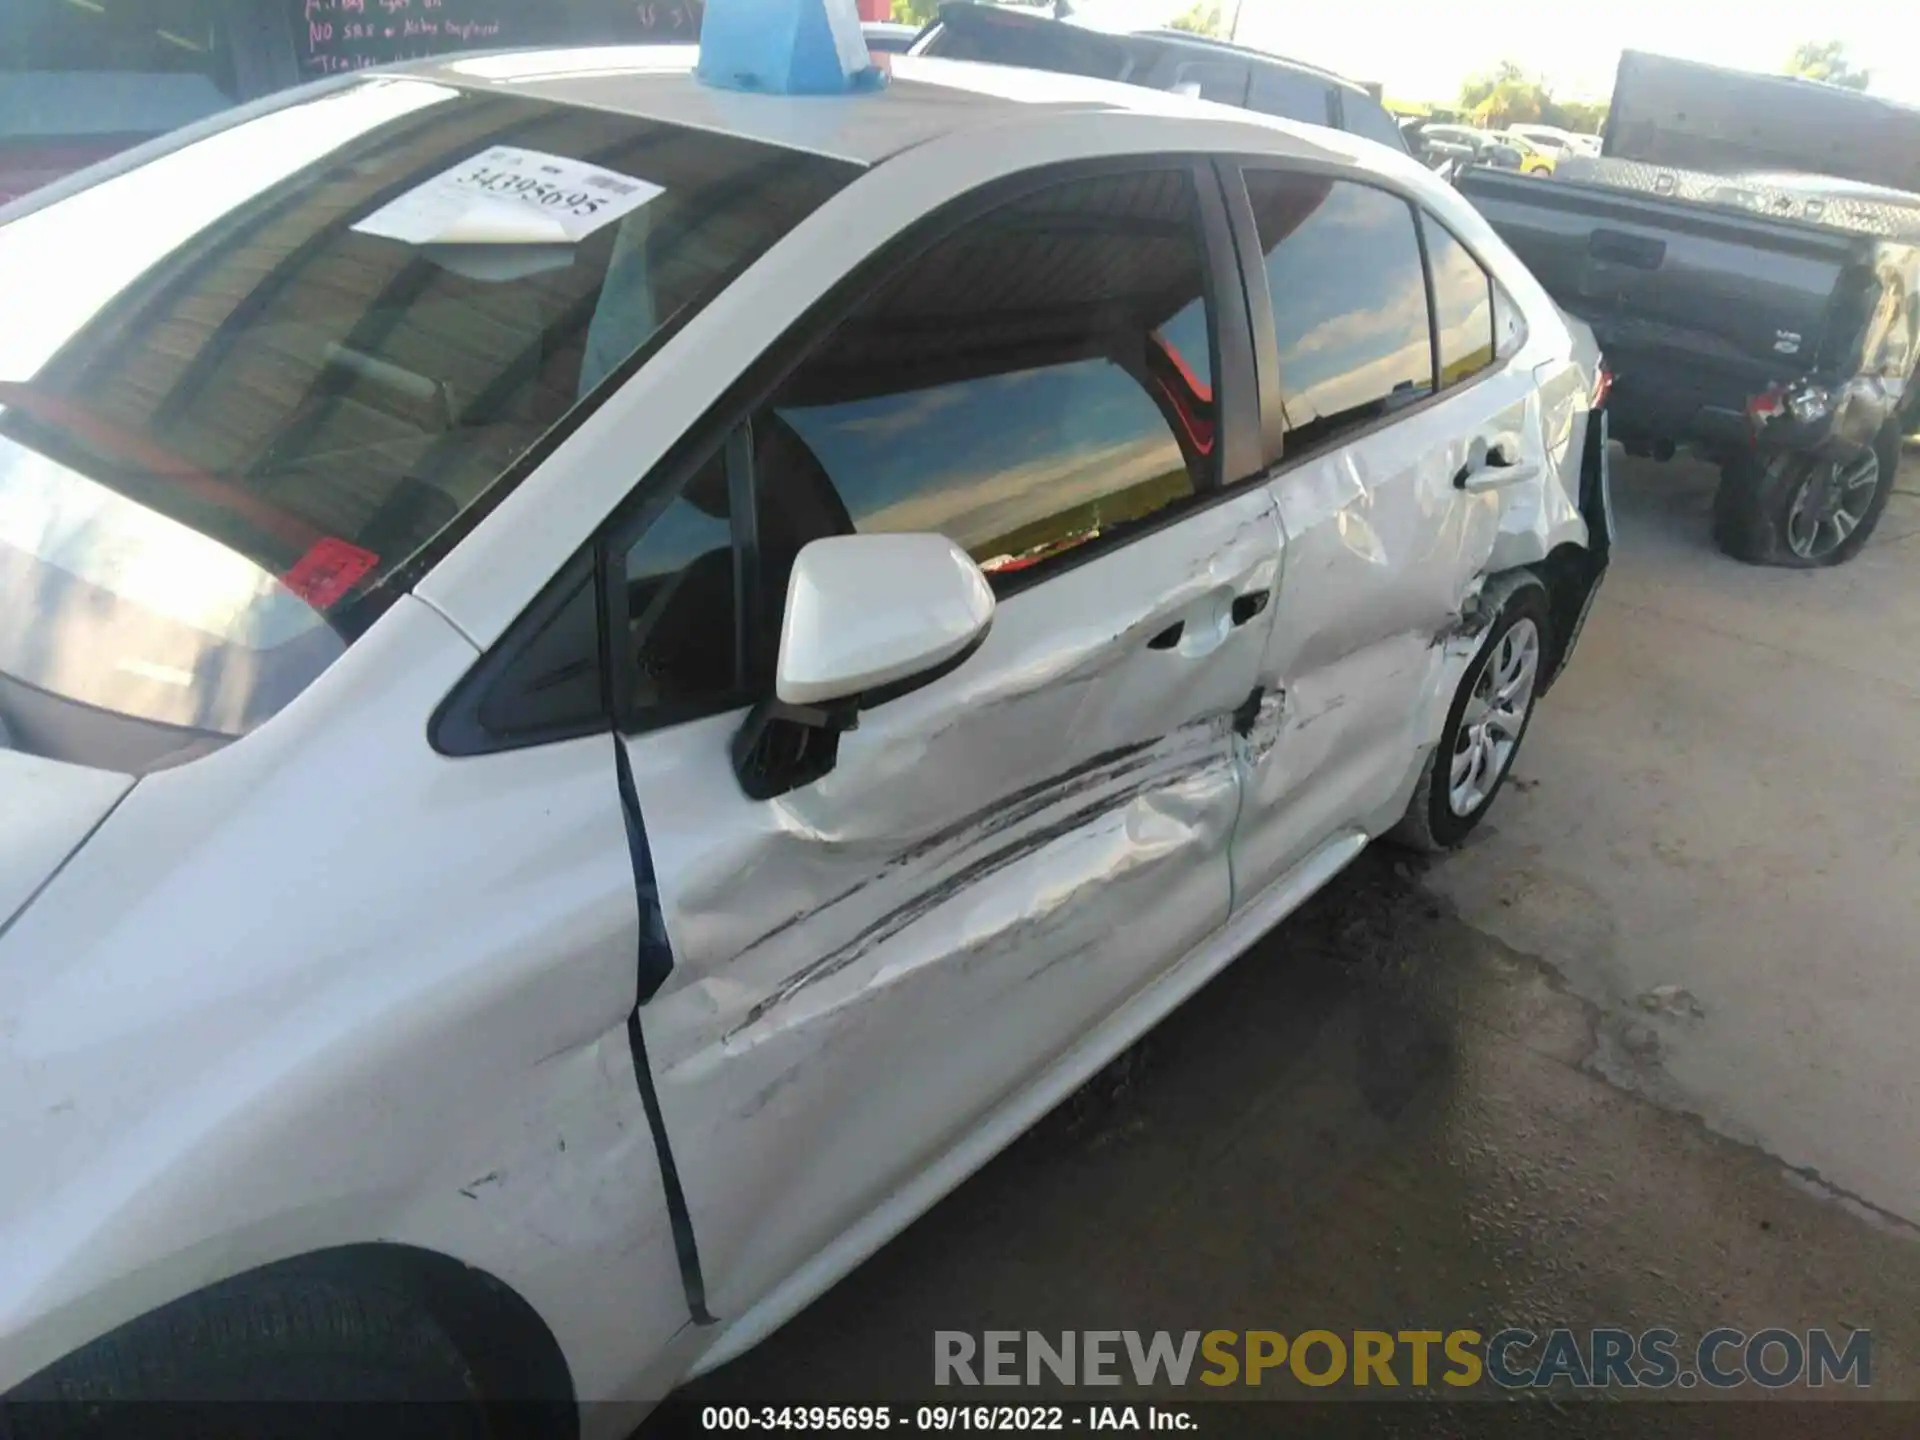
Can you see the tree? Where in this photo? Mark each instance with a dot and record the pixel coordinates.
(1479, 88)
(1826, 60)
(1203, 19)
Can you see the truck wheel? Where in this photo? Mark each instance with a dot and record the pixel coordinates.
(278, 1344)
(1804, 511)
(1485, 724)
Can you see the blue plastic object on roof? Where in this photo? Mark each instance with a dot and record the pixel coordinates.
(785, 47)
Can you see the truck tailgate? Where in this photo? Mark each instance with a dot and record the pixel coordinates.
(1727, 286)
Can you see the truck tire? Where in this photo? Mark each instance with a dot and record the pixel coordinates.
(1768, 512)
(278, 1345)
(1455, 791)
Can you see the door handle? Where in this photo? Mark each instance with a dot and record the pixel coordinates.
(1246, 606)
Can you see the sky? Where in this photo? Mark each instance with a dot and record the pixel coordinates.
(1422, 49)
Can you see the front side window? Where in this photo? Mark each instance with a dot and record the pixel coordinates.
(244, 386)
(1462, 305)
(1039, 381)
(1349, 298)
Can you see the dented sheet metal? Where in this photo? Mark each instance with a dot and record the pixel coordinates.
(995, 863)
(1384, 553)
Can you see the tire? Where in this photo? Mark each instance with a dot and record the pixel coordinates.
(280, 1344)
(1434, 821)
(1757, 511)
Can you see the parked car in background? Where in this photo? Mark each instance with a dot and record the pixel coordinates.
(80, 81)
(1039, 530)
(1160, 60)
(1535, 160)
(1747, 250)
(1550, 138)
(1468, 146)
(884, 37)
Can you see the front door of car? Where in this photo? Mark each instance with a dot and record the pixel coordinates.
(870, 964)
(1386, 493)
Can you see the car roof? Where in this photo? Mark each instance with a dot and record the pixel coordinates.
(926, 99)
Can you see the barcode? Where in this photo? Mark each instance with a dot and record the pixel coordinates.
(607, 182)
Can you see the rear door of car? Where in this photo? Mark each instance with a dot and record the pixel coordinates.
(1370, 457)
(867, 970)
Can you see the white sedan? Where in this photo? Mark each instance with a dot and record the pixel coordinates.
(610, 684)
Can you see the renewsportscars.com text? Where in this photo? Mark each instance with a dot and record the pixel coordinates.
(1510, 1358)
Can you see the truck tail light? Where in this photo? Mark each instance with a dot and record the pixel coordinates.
(1602, 385)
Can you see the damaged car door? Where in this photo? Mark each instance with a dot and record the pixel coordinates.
(1394, 427)
(880, 947)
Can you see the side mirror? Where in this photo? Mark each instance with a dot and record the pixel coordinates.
(867, 618)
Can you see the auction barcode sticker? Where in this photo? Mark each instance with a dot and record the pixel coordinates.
(510, 196)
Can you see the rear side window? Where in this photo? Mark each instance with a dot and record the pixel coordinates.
(1211, 80)
(1365, 117)
(1029, 43)
(1349, 300)
(1039, 381)
(1291, 95)
(1462, 305)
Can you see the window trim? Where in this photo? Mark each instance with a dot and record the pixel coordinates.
(1253, 280)
(1235, 370)
(1237, 466)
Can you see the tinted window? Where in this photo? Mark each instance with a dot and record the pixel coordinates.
(1030, 43)
(1040, 380)
(1291, 95)
(228, 436)
(1462, 305)
(1349, 299)
(1366, 117)
(681, 603)
(335, 35)
(1224, 83)
(75, 69)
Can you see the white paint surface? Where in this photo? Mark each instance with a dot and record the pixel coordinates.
(326, 986)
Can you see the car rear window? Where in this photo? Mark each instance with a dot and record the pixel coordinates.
(250, 389)
(1365, 117)
(1032, 44)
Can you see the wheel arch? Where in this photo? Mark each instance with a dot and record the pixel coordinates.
(512, 1352)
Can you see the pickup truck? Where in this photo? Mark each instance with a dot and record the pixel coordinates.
(1747, 251)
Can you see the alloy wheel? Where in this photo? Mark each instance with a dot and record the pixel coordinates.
(1495, 716)
(1830, 505)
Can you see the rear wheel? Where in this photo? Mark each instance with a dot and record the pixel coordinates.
(1485, 725)
(280, 1344)
(1804, 511)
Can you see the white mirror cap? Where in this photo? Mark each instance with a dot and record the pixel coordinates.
(867, 610)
